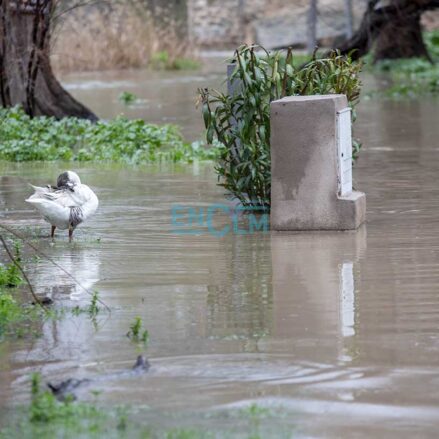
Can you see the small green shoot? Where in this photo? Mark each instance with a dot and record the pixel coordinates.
(127, 98)
(136, 333)
(93, 308)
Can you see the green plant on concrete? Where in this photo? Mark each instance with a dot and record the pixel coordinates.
(241, 122)
(120, 140)
(137, 333)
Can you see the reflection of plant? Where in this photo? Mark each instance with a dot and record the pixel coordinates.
(241, 121)
(93, 308)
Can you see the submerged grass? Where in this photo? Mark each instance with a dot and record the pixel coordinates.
(45, 416)
(137, 333)
(45, 408)
(17, 320)
(120, 140)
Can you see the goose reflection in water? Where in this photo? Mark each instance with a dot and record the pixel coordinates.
(82, 264)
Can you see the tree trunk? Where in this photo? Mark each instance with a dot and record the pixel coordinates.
(312, 26)
(26, 76)
(407, 44)
(349, 18)
(394, 30)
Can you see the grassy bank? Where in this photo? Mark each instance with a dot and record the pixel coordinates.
(409, 78)
(120, 140)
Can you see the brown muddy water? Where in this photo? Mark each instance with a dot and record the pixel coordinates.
(337, 333)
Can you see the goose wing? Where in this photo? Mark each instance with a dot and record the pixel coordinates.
(66, 197)
(65, 207)
(40, 191)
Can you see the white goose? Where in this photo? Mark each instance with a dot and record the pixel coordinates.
(66, 205)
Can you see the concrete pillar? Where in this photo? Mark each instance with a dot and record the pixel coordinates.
(311, 155)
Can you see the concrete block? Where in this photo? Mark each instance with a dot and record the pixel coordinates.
(311, 165)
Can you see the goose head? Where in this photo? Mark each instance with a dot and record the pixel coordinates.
(68, 179)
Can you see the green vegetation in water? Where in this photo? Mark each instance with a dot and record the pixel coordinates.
(120, 140)
(16, 320)
(46, 411)
(45, 416)
(244, 163)
(163, 61)
(127, 98)
(93, 309)
(410, 78)
(10, 274)
(137, 333)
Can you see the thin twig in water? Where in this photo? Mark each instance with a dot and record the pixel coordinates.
(18, 265)
(40, 253)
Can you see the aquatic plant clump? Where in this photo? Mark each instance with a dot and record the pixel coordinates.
(120, 140)
(17, 320)
(241, 121)
(137, 333)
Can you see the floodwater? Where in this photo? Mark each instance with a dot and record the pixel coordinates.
(162, 96)
(337, 331)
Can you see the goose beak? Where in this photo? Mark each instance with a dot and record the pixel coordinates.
(71, 186)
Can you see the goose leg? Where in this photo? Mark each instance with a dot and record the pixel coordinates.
(70, 234)
(52, 233)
